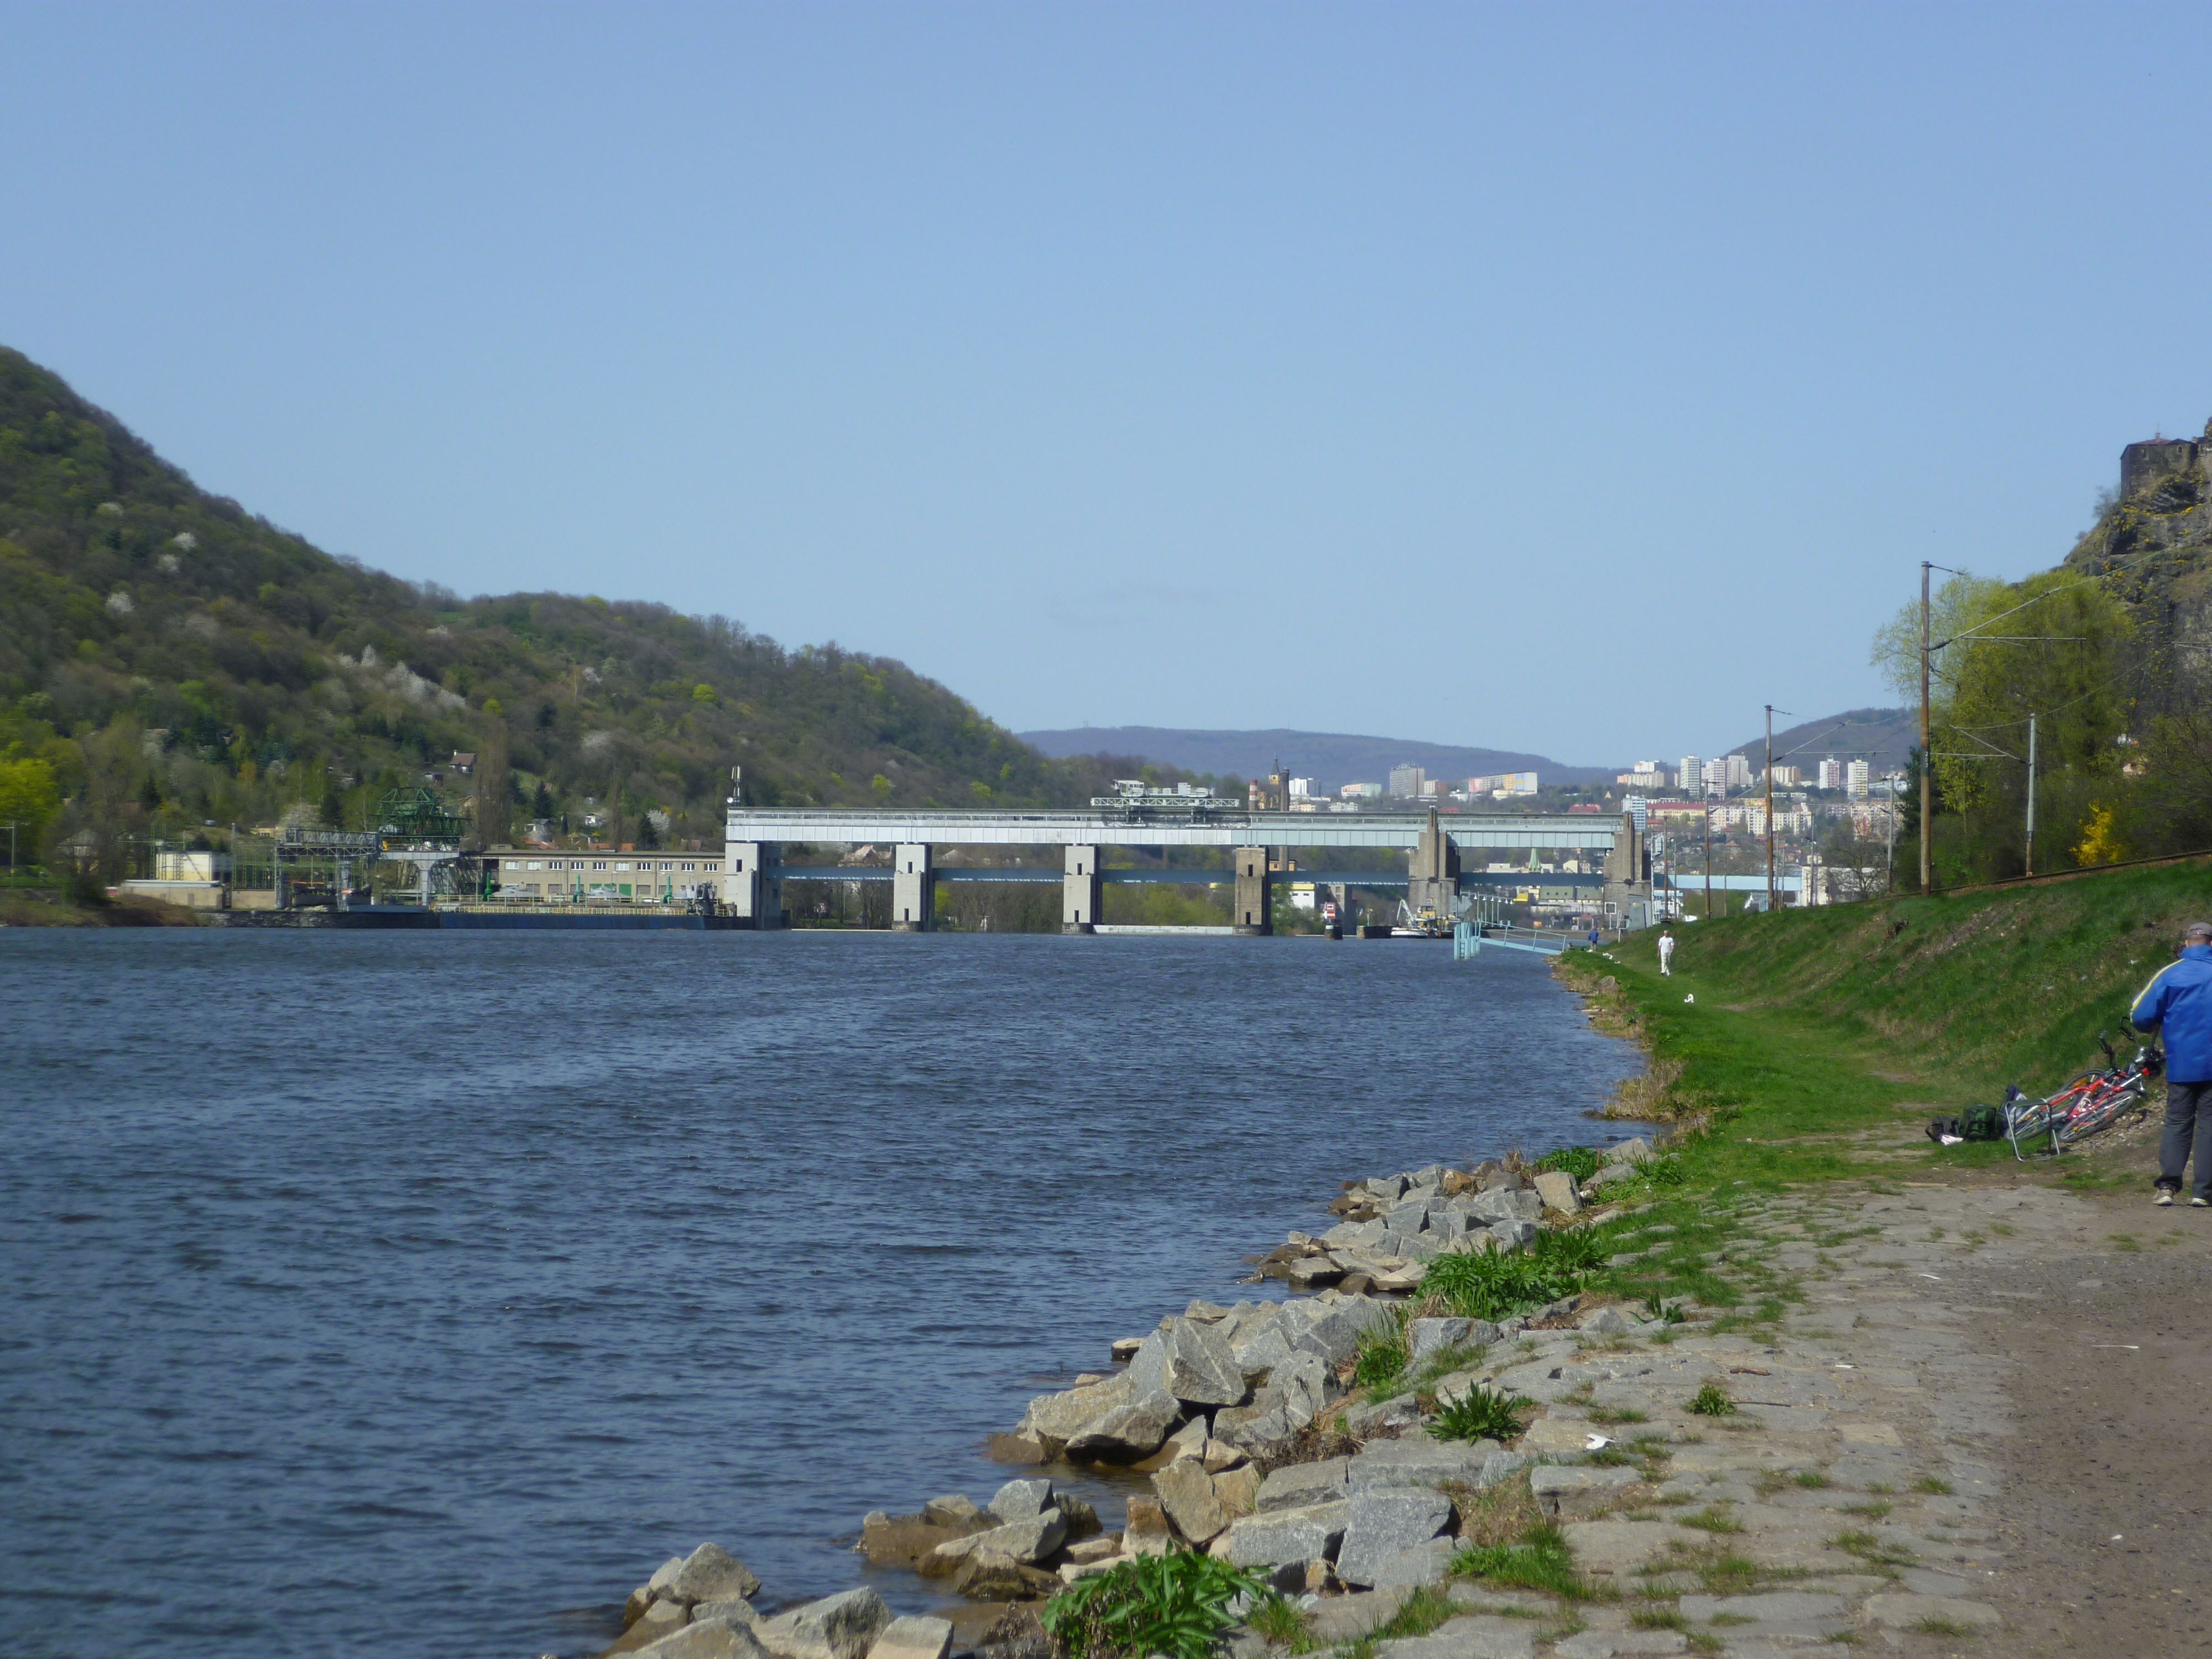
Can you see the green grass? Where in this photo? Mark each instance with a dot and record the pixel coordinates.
(1931, 1484)
(1877, 1511)
(1539, 1561)
(1943, 1628)
(1712, 1518)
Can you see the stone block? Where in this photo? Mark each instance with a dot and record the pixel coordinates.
(713, 1641)
(1425, 1338)
(1021, 1500)
(1578, 1492)
(1058, 1418)
(956, 1510)
(1186, 1494)
(1286, 1535)
(841, 1626)
(1557, 1189)
(1190, 1360)
(1635, 1150)
(1027, 1541)
(1237, 1489)
(1904, 1609)
(1424, 1564)
(708, 1573)
(1385, 1521)
(1345, 1618)
(1621, 1547)
(1297, 1485)
(1507, 1204)
(914, 1637)
(1416, 1462)
(1768, 1608)
(1620, 1644)
(1129, 1432)
(1475, 1636)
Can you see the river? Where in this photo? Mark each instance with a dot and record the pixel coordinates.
(416, 1294)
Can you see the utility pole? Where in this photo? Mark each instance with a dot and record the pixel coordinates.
(1708, 860)
(1770, 809)
(2031, 795)
(1927, 758)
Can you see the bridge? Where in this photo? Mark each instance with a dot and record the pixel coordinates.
(754, 868)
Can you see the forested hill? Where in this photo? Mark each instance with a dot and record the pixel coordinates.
(177, 659)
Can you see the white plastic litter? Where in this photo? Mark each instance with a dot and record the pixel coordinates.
(1691, 997)
(1952, 1140)
(1597, 1443)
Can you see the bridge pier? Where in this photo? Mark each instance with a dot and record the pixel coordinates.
(1081, 891)
(1252, 914)
(750, 887)
(1432, 872)
(913, 892)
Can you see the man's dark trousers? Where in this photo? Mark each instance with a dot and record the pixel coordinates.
(2188, 1122)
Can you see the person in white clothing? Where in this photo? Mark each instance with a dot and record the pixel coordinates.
(1665, 952)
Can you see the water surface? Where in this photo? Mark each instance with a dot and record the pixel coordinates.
(416, 1294)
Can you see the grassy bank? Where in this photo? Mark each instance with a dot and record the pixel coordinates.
(1814, 1045)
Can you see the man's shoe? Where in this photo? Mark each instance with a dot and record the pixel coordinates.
(2164, 1198)
(2200, 1203)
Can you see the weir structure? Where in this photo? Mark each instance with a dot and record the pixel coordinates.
(1259, 844)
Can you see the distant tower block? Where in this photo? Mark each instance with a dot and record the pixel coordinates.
(1252, 914)
(913, 892)
(1081, 890)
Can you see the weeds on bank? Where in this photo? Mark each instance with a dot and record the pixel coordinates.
(1931, 1485)
(1175, 1605)
(1481, 1413)
(1539, 1561)
(1711, 1401)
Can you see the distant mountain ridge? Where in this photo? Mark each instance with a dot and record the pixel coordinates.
(1331, 758)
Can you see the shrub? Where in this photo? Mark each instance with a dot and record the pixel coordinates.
(1175, 1605)
(1480, 1413)
(1382, 1359)
(1710, 1401)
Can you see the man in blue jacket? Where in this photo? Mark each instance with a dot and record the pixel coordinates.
(2178, 1003)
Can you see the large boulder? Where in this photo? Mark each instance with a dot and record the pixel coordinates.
(1129, 1432)
(1057, 1419)
(1511, 1236)
(841, 1626)
(1191, 1360)
(1277, 1536)
(1237, 1489)
(1383, 1522)
(1259, 1354)
(1185, 1492)
(1638, 1151)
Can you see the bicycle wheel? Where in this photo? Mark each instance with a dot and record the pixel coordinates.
(2097, 1115)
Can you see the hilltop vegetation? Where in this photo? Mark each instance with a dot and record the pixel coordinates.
(168, 659)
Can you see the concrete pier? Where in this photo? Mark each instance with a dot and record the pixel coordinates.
(750, 891)
(1432, 871)
(914, 891)
(1081, 891)
(1252, 914)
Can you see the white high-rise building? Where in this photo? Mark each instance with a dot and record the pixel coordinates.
(1738, 771)
(1406, 780)
(1832, 775)
(1715, 777)
(1303, 789)
(1855, 780)
(1689, 775)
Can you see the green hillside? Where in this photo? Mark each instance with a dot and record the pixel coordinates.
(173, 659)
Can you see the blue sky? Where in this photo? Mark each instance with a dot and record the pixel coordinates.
(1565, 378)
